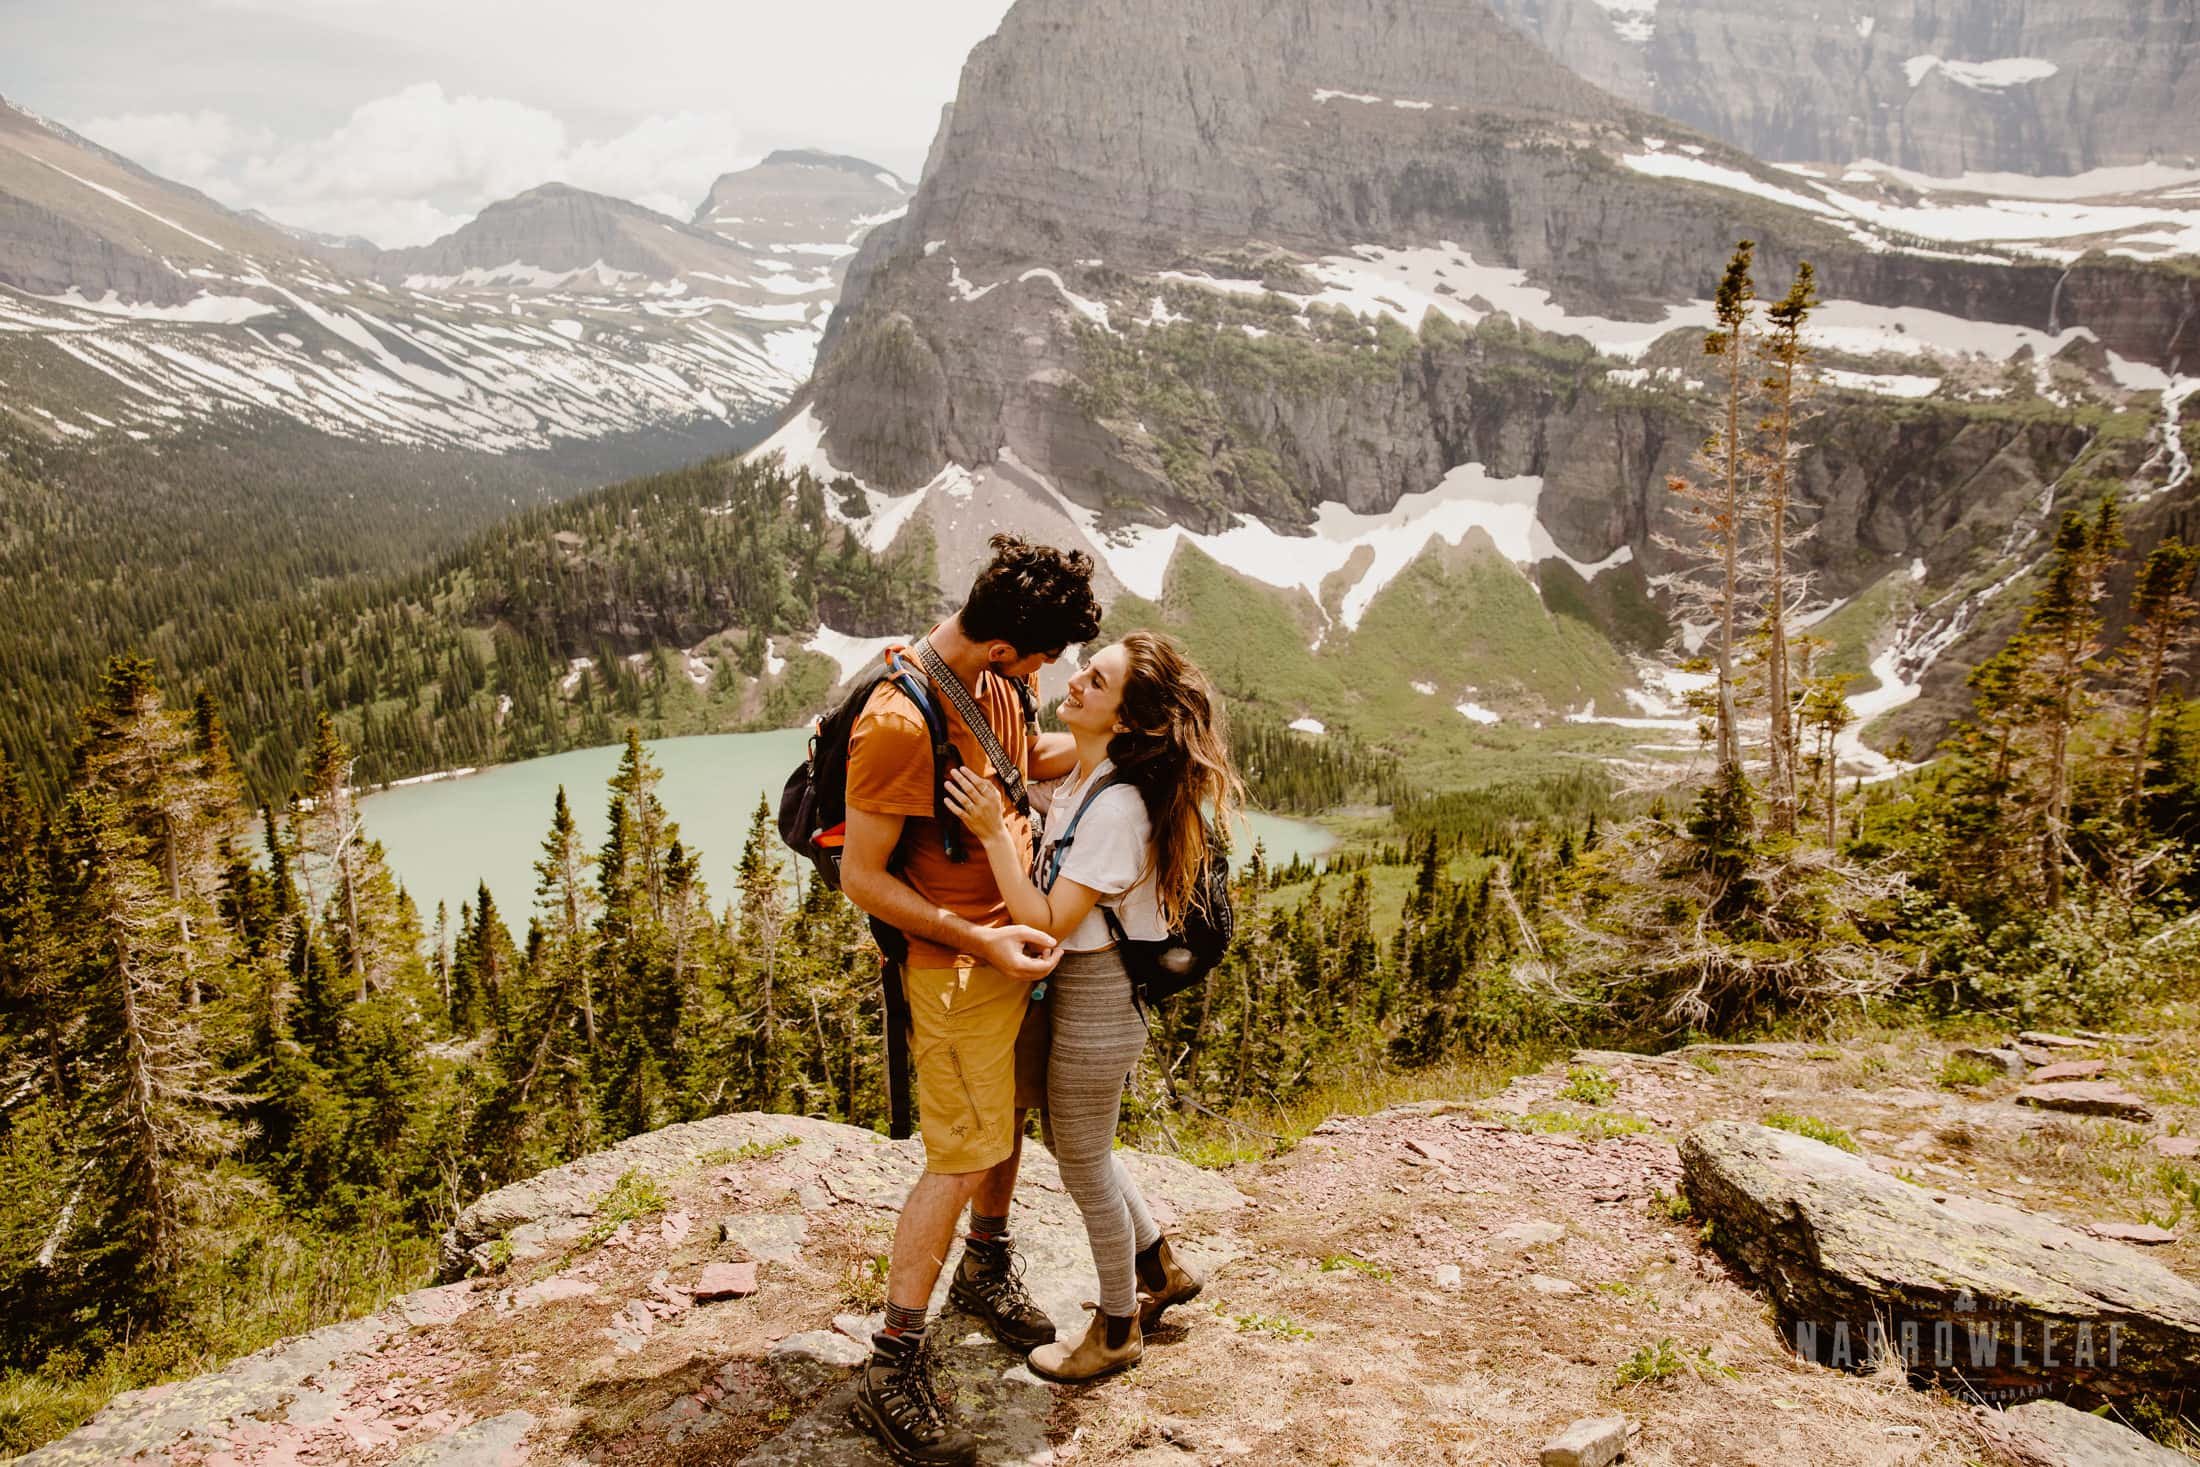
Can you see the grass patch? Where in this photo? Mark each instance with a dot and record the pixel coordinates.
(1817, 1130)
(1282, 1326)
(1565, 1123)
(1967, 1072)
(1341, 1263)
(632, 1197)
(1663, 1361)
(1260, 1130)
(1589, 1086)
(865, 1288)
(747, 1151)
(1672, 1206)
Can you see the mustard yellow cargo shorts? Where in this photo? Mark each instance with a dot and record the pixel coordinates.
(978, 1045)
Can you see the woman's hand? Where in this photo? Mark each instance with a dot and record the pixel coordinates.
(976, 802)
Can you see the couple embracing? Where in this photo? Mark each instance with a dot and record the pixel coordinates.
(1031, 863)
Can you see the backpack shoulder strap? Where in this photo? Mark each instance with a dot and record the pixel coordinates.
(1058, 850)
(1010, 774)
(913, 685)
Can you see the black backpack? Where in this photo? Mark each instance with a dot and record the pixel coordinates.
(813, 805)
(1161, 968)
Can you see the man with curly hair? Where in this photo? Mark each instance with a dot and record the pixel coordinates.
(970, 970)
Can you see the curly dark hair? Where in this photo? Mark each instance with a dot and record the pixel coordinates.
(1036, 598)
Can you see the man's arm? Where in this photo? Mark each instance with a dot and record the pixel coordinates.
(863, 876)
(1052, 756)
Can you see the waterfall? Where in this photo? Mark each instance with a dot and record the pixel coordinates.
(2054, 304)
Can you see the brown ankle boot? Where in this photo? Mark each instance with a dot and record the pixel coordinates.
(1178, 1285)
(1092, 1356)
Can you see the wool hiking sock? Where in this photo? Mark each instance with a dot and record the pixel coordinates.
(901, 1320)
(988, 1229)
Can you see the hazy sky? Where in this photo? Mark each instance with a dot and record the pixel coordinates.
(398, 119)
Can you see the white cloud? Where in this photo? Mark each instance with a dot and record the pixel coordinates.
(667, 163)
(189, 147)
(405, 168)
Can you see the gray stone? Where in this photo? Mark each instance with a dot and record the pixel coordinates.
(2008, 1061)
(2050, 1434)
(2144, 1235)
(767, 1237)
(814, 1358)
(1837, 1243)
(1593, 1441)
(2087, 1098)
(1543, 1283)
(496, 1442)
(1519, 1237)
(2181, 1148)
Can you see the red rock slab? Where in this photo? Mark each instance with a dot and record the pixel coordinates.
(2069, 1070)
(725, 1281)
(2045, 1040)
(2087, 1098)
(2146, 1235)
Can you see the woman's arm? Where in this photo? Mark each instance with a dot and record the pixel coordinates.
(979, 806)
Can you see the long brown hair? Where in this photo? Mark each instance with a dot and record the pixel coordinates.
(1175, 752)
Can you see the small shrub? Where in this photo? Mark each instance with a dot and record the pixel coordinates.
(1588, 1085)
(634, 1195)
(1967, 1072)
(1281, 1326)
(1817, 1130)
(1655, 1364)
(866, 1288)
(1672, 1206)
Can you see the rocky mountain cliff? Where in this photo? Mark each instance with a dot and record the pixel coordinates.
(1310, 284)
(558, 322)
(2028, 88)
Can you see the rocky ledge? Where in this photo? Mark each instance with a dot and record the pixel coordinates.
(1493, 1279)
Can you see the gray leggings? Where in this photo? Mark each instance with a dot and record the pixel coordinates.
(1098, 1034)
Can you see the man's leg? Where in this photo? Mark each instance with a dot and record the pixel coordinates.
(996, 1188)
(925, 1233)
(895, 1399)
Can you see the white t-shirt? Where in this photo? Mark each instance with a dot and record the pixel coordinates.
(1112, 853)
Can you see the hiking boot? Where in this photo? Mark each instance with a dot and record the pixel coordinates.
(1178, 1285)
(989, 1282)
(898, 1403)
(1092, 1356)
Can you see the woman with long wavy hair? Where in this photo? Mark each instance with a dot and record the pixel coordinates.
(1152, 784)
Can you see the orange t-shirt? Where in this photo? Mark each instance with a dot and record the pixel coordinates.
(890, 773)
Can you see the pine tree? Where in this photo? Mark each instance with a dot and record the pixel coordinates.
(2163, 609)
(2061, 640)
(156, 1104)
(758, 948)
(1787, 389)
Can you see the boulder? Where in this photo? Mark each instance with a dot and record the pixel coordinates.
(2008, 1061)
(2087, 1098)
(2050, 1434)
(1593, 1441)
(1859, 1262)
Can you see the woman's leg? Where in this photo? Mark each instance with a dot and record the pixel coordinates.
(1143, 1227)
(1098, 1036)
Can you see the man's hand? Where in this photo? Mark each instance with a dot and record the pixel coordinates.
(1018, 951)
